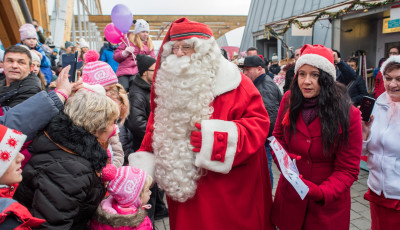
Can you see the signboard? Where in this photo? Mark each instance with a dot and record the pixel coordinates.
(393, 23)
(301, 32)
(386, 29)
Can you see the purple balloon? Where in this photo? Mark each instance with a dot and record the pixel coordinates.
(122, 18)
(112, 34)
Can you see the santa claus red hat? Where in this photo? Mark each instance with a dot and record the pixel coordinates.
(11, 142)
(183, 28)
(318, 56)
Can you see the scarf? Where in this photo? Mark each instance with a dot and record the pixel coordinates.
(309, 109)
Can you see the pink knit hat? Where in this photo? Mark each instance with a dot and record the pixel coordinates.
(27, 31)
(127, 185)
(97, 72)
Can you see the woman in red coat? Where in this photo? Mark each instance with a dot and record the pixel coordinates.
(318, 126)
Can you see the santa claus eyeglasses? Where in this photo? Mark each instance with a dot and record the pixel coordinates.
(184, 49)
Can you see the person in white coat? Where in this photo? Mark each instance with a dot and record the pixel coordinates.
(381, 145)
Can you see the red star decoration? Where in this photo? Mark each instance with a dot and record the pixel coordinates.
(12, 142)
(17, 132)
(5, 156)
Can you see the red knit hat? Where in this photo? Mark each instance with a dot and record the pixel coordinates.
(318, 56)
(183, 28)
(11, 142)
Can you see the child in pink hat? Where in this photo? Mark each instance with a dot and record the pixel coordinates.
(124, 209)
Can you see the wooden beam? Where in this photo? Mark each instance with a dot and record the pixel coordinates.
(68, 20)
(98, 4)
(38, 10)
(11, 19)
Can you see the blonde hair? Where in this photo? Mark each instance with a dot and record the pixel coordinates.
(119, 93)
(147, 184)
(91, 111)
(135, 39)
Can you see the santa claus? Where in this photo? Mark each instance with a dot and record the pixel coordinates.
(204, 143)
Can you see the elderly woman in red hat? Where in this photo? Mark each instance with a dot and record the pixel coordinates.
(315, 121)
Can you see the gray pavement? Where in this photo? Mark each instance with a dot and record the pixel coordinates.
(360, 218)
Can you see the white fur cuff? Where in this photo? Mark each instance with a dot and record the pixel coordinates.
(211, 156)
(143, 160)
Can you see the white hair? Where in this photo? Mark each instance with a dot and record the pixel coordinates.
(184, 92)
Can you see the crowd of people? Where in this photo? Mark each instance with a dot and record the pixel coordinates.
(101, 152)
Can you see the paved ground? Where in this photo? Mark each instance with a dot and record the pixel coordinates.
(359, 215)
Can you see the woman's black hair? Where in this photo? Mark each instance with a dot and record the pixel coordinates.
(333, 111)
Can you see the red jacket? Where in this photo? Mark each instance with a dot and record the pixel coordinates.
(241, 198)
(11, 207)
(334, 175)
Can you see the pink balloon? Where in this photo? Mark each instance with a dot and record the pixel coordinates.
(113, 34)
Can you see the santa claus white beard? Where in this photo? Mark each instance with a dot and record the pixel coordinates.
(183, 91)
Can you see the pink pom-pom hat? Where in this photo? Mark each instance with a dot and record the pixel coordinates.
(97, 72)
(127, 186)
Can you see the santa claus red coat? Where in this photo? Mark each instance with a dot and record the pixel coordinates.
(240, 199)
(234, 190)
(334, 175)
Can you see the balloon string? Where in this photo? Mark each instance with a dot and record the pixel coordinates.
(128, 45)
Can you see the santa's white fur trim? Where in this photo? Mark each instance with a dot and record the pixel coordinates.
(203, 159)
(227, 78)
(317, 61)
(142, 160)
(393, 58)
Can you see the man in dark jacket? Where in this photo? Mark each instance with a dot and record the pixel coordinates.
(344, 73)
(357, 89)
(270, 93)
(139, 100)
(19, 83)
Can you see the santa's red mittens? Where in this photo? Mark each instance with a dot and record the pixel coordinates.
(195, 138)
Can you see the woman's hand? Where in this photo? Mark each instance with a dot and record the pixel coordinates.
(63, 84)
(366, 128)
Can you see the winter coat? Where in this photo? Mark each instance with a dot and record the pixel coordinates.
(15, 118)
(19, 91)
(357, 90)
(44, 64)
(108, 56)
(344, 73)
(271, 96)
(382, 148)
(139, 100)
(127, 66)
(126, 139)
(333, 174)
(13, 215)
(105, 220)
(61, 182)
(234, 193)
(275, 69)
(7, 191)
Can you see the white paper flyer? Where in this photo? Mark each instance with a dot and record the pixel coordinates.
(288, 168)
